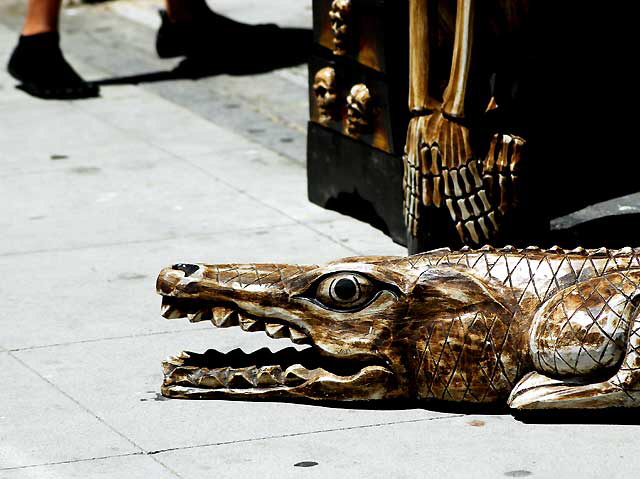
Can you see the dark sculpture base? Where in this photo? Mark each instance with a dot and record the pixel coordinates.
(367, 187)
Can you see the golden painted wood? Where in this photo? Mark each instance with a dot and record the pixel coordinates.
(477, 182)
(537, 329)
(325, 90)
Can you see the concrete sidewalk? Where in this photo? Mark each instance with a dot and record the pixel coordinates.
(99, 195)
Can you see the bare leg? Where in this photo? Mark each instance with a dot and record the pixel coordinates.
(42, 16)
(185, 10)
(190, 28)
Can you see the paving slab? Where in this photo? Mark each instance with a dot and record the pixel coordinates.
(104, 292)
(159, 122)
(32, 132)
(131, 467)
(453, 448)
(102, 203)
(129, 399)
(39, 424)
(359, 237)
(268, 176)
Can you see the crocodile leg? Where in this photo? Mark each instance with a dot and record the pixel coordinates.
(587, 323)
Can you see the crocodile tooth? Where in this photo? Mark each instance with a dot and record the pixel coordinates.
(532, 248)
(507, 249)
(297, 337)
(296, 375)
(202, 315)
(555, 249)
(579, 250)
(624, 251)
(599, 252)
(184, 375)
(173, 362)
(276, 331)
(241, 378)
(269, 376)
(465, 249)
(171, 312)
(213, 378)
(224, 317)
(249, 324)
(169, 365)
(487, 248)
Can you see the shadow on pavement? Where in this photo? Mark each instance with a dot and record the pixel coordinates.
(621, 416)
(280, 48)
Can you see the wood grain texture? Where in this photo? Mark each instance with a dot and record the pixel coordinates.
(533, 328)
(476, 181)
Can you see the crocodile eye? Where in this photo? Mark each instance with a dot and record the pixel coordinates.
(345, 291)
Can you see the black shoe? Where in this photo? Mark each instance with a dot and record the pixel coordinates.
(38, 63)
(198, 38)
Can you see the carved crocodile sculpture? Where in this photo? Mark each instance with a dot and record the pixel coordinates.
(536, 328)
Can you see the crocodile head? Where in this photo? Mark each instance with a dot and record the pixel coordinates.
(351, 314)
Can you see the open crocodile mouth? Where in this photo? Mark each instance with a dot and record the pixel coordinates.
(262, 372)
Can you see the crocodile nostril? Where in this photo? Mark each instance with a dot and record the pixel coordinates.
(188, 269)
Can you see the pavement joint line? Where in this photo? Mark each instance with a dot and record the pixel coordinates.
(97, 340)
(278, 210)
(240, 441)
(82, 406)
(249, 103)
(258, 148)
(225, 182)
(307, 433)
(145, 241)
(73, 461)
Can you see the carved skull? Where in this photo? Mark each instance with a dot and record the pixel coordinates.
(325, 91)
(340, 16)
(359, 111)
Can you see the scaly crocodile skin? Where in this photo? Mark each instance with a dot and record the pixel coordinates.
(541, 328)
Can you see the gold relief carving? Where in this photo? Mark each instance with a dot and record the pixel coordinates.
(326, 94)
(359, 111)
(477, 184)
(340, 18)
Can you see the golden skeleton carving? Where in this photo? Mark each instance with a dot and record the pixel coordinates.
(340, 19)
(477, 182)
(533, 328)
(359, 111)
(325, 90)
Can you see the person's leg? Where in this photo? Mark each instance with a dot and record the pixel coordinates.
(191, 28)
(37, 61)
(185, 10)
(42, 16)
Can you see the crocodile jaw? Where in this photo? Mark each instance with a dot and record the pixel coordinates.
(287, 374)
